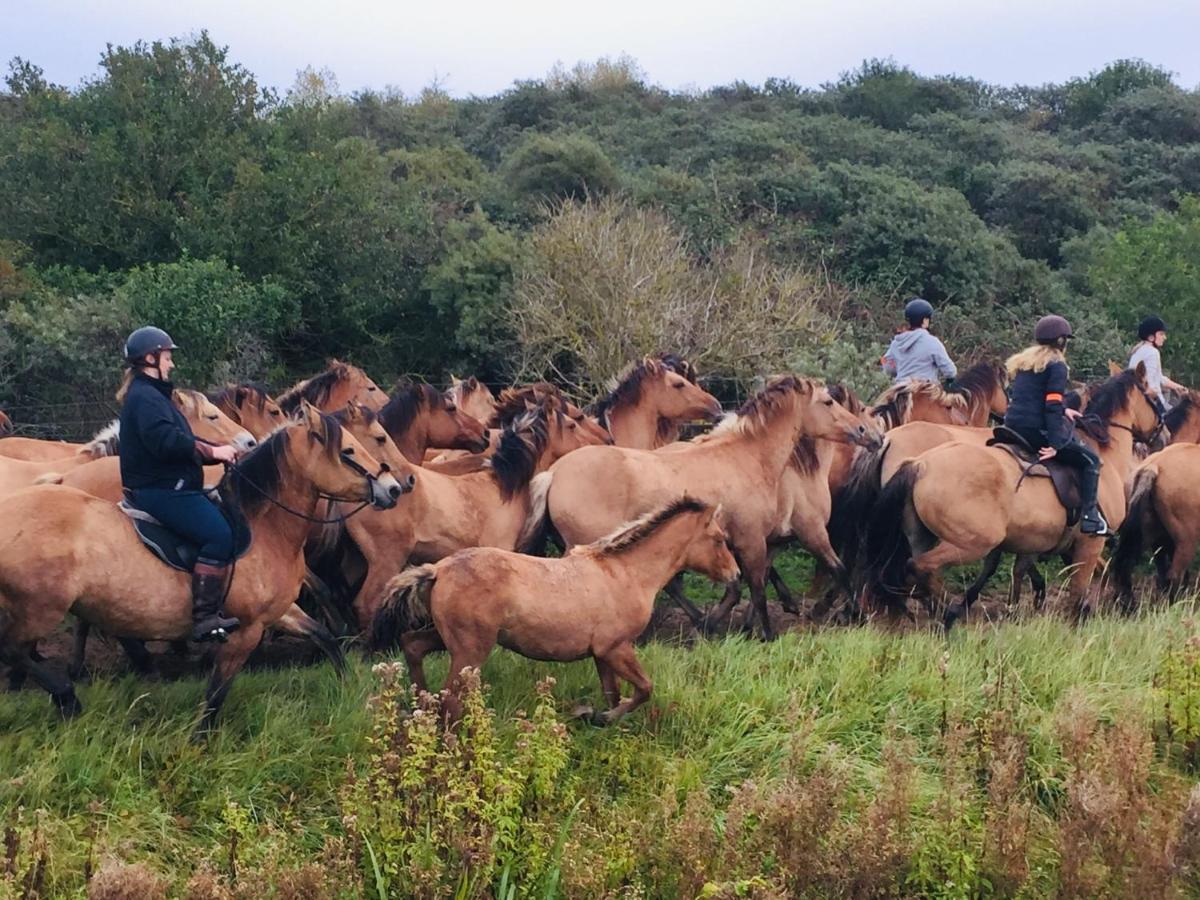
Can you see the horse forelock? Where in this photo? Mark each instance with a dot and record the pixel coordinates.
(189, 402)
(512, 401)
(633, 533)
(847, 398)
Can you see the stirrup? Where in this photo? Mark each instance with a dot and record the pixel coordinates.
(1095, 527)
(214, 628)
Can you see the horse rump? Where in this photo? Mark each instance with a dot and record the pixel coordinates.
(1140, 531)
(405, 606)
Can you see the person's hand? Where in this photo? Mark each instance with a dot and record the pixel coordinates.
(1073, 414)
(225, 453)
(1047, 453)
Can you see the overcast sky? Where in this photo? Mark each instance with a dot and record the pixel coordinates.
(482, 47)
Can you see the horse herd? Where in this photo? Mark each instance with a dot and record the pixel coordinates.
(467, 489)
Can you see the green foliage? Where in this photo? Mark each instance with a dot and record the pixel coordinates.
(1087, 99)
(546, 167)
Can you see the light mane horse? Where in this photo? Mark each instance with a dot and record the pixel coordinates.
(61, 561)
(473, 397)
(651, 401)
(594, 602)
(957, 503)
(446, 513)
(980, 393)
(251, 407)
(594, 490)
(332, 389)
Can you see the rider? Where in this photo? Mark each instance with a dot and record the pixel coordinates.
(1152, 334)
(1036, 412)
(161, 473)
(915, 354)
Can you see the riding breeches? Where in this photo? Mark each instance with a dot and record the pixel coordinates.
(191, 515)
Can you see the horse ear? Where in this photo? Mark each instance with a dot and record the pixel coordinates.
(455, 381)
(1140, 371)
(716, 514)
(240, 395)
(310, 415)
(1113, 368)
(472, 383)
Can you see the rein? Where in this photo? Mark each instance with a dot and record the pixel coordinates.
(352, 464)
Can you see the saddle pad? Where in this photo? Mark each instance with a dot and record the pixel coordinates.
(177, 552)
(1064, 478)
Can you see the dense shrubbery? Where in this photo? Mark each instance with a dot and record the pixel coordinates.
(395, 231)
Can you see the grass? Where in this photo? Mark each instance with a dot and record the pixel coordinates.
(124, 780)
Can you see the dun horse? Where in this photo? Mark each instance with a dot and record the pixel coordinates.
(473, 397)
(419, 417)
(980, 393)
(594, 601)
(652, 400)
(593, 491)
(957, 503)
(341, 383)
(61, 560)
(251, 407)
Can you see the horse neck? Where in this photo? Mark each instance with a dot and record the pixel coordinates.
(1118, 452)
(414, 441)
(656, 558)
(1189, 431)
(774, 441)
(274, 523)
(635, 426)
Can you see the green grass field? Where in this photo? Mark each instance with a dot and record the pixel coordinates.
(123, 781)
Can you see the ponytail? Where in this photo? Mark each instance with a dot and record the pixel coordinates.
(126, 381)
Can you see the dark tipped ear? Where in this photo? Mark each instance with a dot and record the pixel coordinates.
(240, 396)
(1140, 371)
(473, 383)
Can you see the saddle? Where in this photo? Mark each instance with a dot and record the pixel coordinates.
(1064, 478)
(176, 551)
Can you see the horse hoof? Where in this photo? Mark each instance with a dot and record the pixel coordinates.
(583, 711)
(949, 620)
(68, 705)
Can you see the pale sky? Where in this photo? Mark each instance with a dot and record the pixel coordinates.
(482, 47)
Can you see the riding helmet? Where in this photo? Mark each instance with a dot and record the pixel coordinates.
(1051, 328)
(1149, 327)
(917, 310)
(147, 340)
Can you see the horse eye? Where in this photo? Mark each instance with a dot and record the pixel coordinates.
(829, 403)
(274, 412)
(212, 418)
(372, 390)
(349, 451)
(678, 386)
(381, 440)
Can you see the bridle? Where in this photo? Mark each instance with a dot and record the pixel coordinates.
(1159, 424)
(348, 461)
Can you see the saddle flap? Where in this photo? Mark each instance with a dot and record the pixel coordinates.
(1064, 478)
(1003, 436)
(174, 550)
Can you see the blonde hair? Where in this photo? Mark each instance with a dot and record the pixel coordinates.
(126, 381)
(1034, 359)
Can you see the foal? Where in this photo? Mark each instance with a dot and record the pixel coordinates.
(594, 601)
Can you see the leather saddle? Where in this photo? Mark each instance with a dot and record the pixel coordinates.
(176, 551)
(1064, 478)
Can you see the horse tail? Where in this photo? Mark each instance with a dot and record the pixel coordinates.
(887, 549)
(852, 504)
(1141, 524)
(405, 606)
(50, 478)
(535, 520)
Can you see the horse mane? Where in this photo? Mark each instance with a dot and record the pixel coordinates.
(258, 477)
(521, 444)
(189, 401)
(408, 399)
(1178, 414)
(512, 401)
(226, 399)
(626, 388)
(315, 390)
(980, 381)
(894, 405)
(804, 455)
(106, 441)
(1106, 401)
(352, 411)
(845, 397)
(633, 533)
(757, 412)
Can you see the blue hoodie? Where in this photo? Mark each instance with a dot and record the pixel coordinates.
(917, 355)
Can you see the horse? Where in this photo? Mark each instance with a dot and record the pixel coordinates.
(1164, 496)
(340, 383)
(592, 491)
(250, 406)
(979, 394)
(96, 469)
(473, 397)
(1183, 420)
(651, 401)
(447, 513)
(594, 602)
(61, 559)
(419, 417)
(957, 503)
(6, 424)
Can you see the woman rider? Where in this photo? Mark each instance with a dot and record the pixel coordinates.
(1036, 412)
(161, 474)
(915, 354)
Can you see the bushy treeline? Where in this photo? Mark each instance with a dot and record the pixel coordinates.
(411, 234)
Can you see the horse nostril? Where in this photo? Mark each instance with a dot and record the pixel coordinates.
(410, 481)
(394, 491)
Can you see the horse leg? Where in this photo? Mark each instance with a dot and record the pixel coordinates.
(1181, 559)
(416, 645)
(1087, 556)
(231, 657)
(675, 591)
(719, 614)
(927, 567)
(138, 655)
(299, 623)
(990, 564)
(624, 662)
(60, 689)
(608, 686)
(786, 599)
(78, 649)
(755, 572)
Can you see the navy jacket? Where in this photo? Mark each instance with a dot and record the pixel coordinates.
(1036, 405)
(158, 449)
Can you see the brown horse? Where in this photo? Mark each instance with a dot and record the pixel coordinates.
(447, 513)
(101, 466)
(594, 601)
(979, 393)
(61, 560)
(37, 449)
(251, 407)
(341, 383)
(593, 491)
(1183, 420)
(652, 400)
(419, 417)
(957, 503)
(1163, 519)
(473, 397)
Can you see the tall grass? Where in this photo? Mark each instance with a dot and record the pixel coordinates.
(827, 719)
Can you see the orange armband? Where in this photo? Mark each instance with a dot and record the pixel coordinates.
(1054, 398)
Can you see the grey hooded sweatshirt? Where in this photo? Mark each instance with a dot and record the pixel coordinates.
(917, 355)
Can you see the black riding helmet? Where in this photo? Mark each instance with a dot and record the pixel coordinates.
(1051, 329)
(917, 310)
(1149, 327)
(144, 341)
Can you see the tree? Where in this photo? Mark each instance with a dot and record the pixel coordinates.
(557, 168)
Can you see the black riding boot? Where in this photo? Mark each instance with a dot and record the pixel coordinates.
(1091, 521)
(209, 622)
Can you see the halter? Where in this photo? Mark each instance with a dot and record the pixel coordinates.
(348, 461)
(1159, 425)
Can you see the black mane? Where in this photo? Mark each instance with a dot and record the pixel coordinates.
(408, 399)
